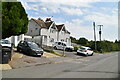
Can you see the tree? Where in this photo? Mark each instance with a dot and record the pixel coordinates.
(82, 41)
(14, 19)
(73, 40)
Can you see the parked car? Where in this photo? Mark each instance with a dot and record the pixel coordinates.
(85, 50)
(29, 48)
(63, 46)
(5, 43)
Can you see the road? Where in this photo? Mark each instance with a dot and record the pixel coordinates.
(99, 66)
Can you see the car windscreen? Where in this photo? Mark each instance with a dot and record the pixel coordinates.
(82, 48)
(4, 42)
(33, 45)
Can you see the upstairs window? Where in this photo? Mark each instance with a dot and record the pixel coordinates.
(52, 30)
(51, 40)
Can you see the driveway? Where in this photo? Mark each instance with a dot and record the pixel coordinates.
(72, 54)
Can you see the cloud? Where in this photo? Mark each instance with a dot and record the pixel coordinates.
(30, 6)
(108, 20)
(78, 30)
(70, 0)
(77, 21)
(72, 11)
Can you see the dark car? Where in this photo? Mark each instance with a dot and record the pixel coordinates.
(29, 48)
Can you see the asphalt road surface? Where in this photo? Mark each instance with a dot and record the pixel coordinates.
(99, 66)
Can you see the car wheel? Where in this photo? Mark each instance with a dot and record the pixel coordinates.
(18, 49)
(91, 54)
(87, 54)
(71, 50)
(77, 53)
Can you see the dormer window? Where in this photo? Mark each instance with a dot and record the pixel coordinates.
(62, 32)
(51, 30)
(36, 28)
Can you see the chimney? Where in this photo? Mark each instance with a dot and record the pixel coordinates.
(48, 20)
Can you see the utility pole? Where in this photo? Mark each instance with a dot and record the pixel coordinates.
(94, 35)
(100, 32)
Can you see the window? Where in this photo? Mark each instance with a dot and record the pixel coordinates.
(51, 40)
(66, 39)
(51, 30)
(62, 39)
(62, 32)
(36, 28)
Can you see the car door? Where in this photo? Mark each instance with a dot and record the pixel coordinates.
(59, 46)
(25, 47)
(20, 45)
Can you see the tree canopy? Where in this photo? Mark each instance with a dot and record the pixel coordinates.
(82, 41)
(14, 19)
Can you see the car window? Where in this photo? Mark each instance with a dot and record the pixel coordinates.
(33, 45)
(63, 44)
(25, 44)
(4, 42)
(82, 48)
(59, 43)
(89, 49)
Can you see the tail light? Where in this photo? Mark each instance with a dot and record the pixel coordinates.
(85, 50)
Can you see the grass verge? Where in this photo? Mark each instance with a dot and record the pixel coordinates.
(109, 52)
(53, 52)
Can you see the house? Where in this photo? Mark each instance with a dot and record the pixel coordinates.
(63, 34)
(47, 32)
(42, 32)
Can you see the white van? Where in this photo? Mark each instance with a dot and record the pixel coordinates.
(63, 46)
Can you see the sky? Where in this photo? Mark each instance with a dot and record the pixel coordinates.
(78, 16)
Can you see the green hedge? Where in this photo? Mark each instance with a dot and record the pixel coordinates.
(105, 46)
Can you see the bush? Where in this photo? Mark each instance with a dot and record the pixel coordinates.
(105, 46)
(75, 48)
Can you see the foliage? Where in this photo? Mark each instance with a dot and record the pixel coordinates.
(75, 48)
(102, 46)
(82, 41)
(14, 19)
(105, 46)
(73, 40)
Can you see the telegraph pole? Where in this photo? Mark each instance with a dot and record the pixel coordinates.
(100, 32)
(94, 35)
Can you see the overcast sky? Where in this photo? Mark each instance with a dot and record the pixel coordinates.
(78, 15)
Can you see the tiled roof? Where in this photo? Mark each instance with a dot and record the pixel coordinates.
(48, 24)
(40, 23)
(59, 27)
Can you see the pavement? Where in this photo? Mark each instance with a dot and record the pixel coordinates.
(19, 60)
